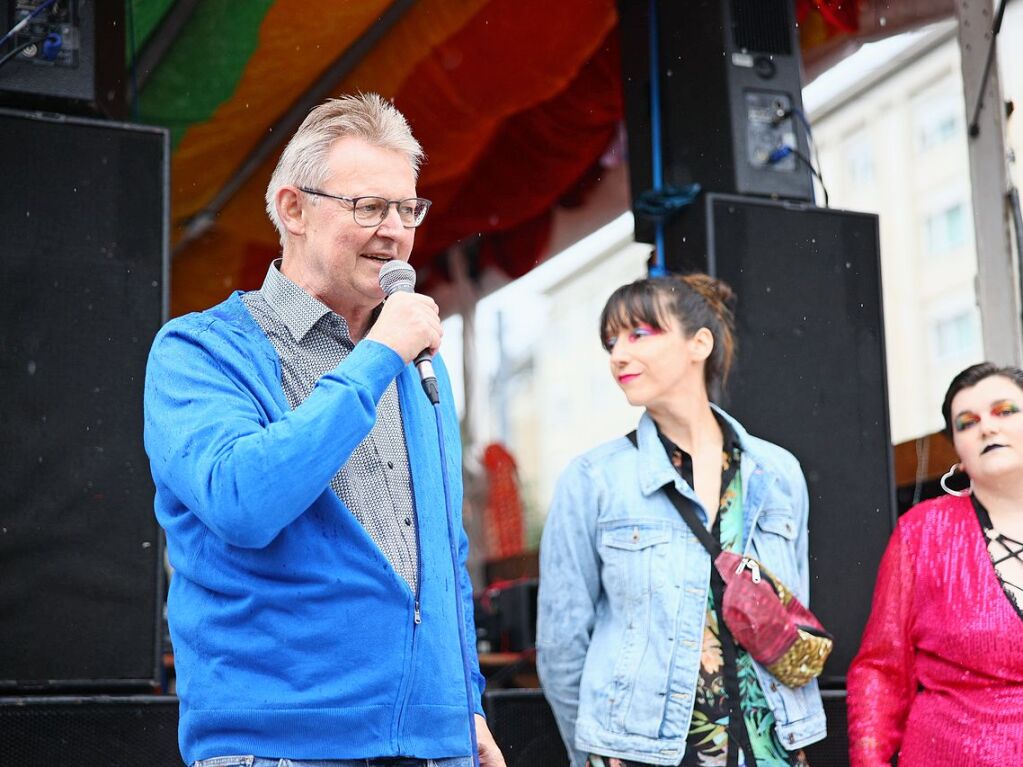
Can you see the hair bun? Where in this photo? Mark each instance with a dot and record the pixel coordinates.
(717, 293)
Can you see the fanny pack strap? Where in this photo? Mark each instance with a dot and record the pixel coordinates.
(738, 737)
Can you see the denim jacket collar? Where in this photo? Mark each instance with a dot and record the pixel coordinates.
(655, 469)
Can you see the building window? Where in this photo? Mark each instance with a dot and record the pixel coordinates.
(859, 161)
(956, 336)
(946, 229)
(938, 119)
(939, 131)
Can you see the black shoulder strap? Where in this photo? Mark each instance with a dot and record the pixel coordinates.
(685, 510)
(738, 736)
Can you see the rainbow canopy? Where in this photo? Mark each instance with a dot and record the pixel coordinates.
(514, 101)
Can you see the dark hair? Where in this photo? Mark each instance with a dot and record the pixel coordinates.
(972, 376)
(694, 300)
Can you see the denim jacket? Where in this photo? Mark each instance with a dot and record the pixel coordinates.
(623, 597)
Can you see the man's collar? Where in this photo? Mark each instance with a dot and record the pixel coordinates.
(298, 310)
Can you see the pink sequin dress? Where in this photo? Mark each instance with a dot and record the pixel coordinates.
(939, 675)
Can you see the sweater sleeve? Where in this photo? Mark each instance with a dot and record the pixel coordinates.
(211, 446)
(882, 680)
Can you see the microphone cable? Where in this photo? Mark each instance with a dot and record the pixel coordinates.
(16, 29)
(399, 277)
(456, 572)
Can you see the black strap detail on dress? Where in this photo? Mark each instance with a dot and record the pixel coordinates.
(986, 524)
(737, 734)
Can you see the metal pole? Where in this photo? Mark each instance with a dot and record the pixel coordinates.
(998, 294)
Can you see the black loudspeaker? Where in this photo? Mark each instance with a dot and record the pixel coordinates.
(524, 727)
(833, 751)
(730, 90)
(84, 73)
(83, 233)
(90, 732)
(810, 376)
(507, 616)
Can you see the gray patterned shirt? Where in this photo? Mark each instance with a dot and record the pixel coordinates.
(375, 482)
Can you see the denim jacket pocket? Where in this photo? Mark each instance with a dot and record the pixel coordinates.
(774, 541)
(632, 551)
(634, 535)
(779, 522)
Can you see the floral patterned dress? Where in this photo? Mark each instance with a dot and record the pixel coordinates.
(707, 744)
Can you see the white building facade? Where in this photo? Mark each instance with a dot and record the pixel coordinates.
(891, 135)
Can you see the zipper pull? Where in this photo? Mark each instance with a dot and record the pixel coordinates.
(754, 568)
(418, 618)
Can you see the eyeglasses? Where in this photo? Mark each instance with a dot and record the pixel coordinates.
(371, 211)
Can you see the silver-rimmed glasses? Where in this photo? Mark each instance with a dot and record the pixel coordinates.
(371, 211)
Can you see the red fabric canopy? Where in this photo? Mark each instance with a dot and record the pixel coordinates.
(514, 101)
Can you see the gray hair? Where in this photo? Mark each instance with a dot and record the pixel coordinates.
(304, 161)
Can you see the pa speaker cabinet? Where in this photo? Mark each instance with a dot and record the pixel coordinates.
(83, 232)
(524, 727)
(90, 731)
(86, 75)
(833, 751)
(730, 84)
(810, 376)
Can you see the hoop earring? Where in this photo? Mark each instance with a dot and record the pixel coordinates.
(944, 482)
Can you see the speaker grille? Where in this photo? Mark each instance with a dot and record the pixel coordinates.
(524, 727)
(88, 731)
(762, 26)
(810, 331)
(833, 751)
(83, 238)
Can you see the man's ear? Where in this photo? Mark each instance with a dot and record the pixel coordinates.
(701, 344)
(289, 204)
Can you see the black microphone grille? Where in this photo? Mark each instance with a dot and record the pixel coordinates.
(397, 277)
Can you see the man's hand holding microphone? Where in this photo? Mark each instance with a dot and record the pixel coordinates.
(409, 322)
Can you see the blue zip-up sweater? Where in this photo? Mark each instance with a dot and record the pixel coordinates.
(293, 635)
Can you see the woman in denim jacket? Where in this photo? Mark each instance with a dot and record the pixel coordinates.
(628, 644)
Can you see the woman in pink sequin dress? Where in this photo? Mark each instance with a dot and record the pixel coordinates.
(939, 676)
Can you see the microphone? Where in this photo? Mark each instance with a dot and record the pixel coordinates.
(399, 277)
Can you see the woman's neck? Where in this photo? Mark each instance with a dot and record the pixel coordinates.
(688, 421)
(1004, 503)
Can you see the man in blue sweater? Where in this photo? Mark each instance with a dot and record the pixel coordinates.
(299, 481)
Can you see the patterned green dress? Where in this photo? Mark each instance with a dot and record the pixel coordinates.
(707, 745)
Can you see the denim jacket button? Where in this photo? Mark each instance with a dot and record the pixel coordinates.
(774, 687)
